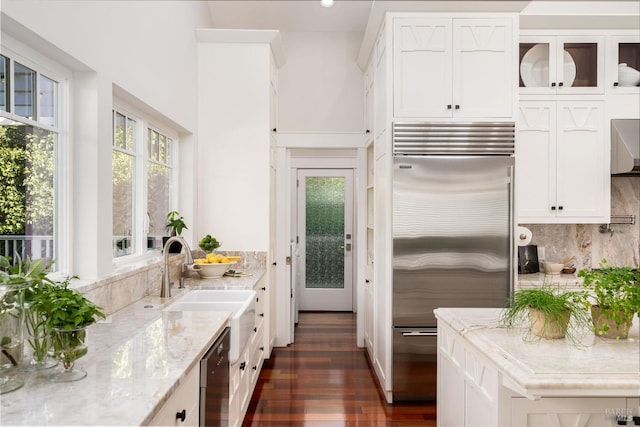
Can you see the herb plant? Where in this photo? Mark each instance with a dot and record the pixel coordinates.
(615, 291)
(556, 305)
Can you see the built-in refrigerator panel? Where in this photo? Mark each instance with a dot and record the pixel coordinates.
(452, 233)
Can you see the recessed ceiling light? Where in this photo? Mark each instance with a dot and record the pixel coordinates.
(326, 3)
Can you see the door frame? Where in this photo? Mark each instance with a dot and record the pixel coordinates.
(349, 228)
(288, 157)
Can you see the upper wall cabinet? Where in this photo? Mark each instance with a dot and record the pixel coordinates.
(453, 68)
(561, 65)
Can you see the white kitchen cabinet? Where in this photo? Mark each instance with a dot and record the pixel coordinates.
(457, 68)
(562, 157)
(244, 373)
(183, 401)
(567, 64)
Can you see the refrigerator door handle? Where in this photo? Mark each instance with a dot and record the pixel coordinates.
(425, 333)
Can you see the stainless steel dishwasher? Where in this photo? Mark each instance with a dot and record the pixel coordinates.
(214, 383)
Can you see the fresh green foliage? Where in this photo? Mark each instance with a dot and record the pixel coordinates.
(553, 301)
(175, 223)
(208, 243)
(616, 290)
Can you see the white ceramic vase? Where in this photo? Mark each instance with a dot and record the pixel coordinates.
(628, 76)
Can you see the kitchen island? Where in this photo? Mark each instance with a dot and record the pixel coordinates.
(488, 375)
(138, 357)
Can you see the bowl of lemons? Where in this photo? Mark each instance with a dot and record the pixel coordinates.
(214, 265)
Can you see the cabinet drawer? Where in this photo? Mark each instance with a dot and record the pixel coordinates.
(185, 397)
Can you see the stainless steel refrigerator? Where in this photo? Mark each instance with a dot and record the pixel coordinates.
(453, 240)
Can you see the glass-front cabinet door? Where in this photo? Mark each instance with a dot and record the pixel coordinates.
(623, 64)
(561, 64)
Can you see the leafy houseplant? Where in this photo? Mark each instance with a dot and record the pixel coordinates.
(34, 275)
(616, 298)
(67, 313)
(546, 311)
(175, 225)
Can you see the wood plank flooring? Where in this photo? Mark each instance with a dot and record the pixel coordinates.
(324, 380)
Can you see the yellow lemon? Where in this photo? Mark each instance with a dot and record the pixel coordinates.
(224, 260)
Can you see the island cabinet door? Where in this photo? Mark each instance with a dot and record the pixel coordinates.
(565, 411)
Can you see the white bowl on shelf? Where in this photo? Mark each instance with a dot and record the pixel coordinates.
(553, 267)
(628, 76)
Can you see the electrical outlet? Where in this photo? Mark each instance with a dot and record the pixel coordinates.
(541, 254)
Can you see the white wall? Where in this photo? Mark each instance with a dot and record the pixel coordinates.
(320, 86)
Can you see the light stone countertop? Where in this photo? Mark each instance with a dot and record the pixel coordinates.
(537, 368)
(137, 357)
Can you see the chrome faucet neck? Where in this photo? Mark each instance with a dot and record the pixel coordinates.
(165, 289)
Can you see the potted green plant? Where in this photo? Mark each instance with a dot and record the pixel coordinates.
(34, 275)
(615, 292)
(175, 225)
(545, 311)
(68, 313)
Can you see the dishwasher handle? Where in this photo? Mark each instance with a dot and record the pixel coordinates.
(427, 332)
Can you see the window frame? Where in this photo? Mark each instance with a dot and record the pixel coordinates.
(16, 51)
(145, 121)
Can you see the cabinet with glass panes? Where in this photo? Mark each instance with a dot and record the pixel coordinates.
(623, 63)
(562, 64)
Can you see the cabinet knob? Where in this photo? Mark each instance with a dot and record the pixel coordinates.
(457, 106)
(553, 84)
(262, 348)
(243, 365)
(553, 208)
(561, 84)
(182, 415)
(261, 314)
(275, 129)
(264, 288)
(559, 208)
(255, 368)
(448, 106)
(616, 84)
(366, 281)
(367, 131)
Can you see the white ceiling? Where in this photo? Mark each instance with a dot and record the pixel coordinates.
(291, 15)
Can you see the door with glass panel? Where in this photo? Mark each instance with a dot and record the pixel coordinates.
(325, 239)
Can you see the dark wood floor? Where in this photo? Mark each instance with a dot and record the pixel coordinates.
(325, 380)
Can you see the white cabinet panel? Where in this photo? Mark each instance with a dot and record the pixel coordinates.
(453, 68)
(565, 412)
(422, 67)
(482, 64)
(184, 398)
(561, 162)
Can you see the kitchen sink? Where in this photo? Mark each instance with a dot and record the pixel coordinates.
(241, 304)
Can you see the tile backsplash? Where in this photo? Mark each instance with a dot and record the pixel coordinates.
(587, 243)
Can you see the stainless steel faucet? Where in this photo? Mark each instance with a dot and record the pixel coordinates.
(165, 289)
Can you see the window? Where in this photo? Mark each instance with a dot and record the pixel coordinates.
(142, 183)
(123, 165)
(159, 171)
(29, 146)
